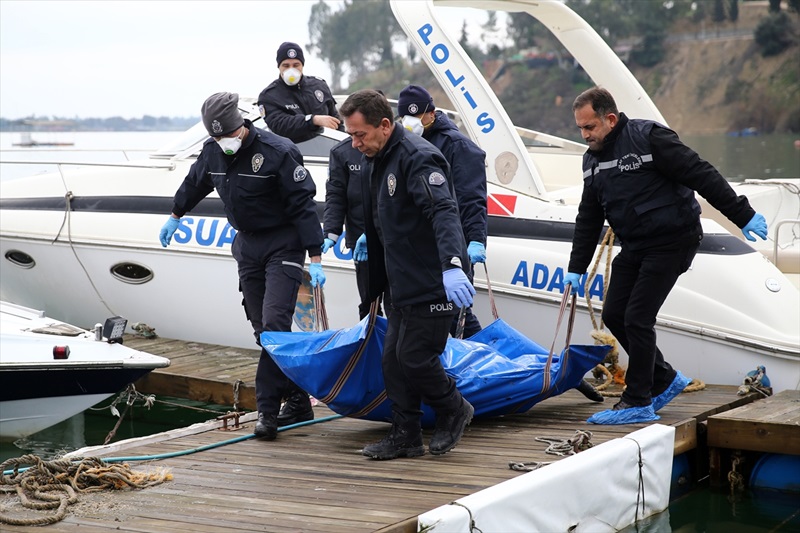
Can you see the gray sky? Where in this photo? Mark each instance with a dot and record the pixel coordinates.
(131, 58)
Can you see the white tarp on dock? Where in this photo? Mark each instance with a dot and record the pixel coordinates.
(597, 490)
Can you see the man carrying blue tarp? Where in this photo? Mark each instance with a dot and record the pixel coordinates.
(416, 249)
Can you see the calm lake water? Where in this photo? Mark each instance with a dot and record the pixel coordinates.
(702, 510)
(737, 158)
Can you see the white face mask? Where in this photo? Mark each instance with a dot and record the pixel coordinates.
(413, 124)
(230, 145)
(291, 76)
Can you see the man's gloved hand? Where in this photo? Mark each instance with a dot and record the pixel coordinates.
(317, 275)
(360, 252)
(457, 287)
(168, 229)
(757, 225)
(327, 244)
(574, 280)
(477, 252)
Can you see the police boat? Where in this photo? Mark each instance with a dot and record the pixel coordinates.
(89, 233)
(51, 370)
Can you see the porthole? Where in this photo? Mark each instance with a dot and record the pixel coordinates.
(132, 273)
(21, 259)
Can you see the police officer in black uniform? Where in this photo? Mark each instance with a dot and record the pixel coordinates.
(295, 105)
(467, 167)
(268, 198)
(416, 248)
(344, 207)
(641, 178)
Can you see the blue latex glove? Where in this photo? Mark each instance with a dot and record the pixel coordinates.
(457, 287)
(360, 252)
(574, 280)
(327, 244)
(317, 275)
(167, 230)
(757, 225)
(477, 252)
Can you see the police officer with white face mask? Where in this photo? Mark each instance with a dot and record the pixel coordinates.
(268, 198)
(295, 105)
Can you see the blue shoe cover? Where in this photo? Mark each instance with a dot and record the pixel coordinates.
(678, 384)
(631, 415)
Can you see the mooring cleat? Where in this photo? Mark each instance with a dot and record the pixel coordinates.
(676, 387)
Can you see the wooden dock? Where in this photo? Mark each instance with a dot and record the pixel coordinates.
(313, 478)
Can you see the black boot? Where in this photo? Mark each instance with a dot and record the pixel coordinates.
(266, 427)
(450, 428)
(586, 388)
(296, 409)
(399, 442)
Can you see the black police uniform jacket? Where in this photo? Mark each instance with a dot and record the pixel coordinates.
(411, 217)
(468, 170)
(643, 182)
(285, 107)
(343, 203)
(263, 187)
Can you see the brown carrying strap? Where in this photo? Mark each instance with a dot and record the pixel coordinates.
(491, 294)
(321, 323)
(567, 300)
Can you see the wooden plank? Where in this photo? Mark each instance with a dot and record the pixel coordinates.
(771, 425)
(685, 436)
(314, 478)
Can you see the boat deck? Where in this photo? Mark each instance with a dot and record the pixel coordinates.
(313, 477)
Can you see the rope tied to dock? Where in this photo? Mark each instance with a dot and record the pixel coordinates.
(55, 484)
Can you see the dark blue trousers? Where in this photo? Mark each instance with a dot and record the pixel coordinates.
(640, 283)
(270, 272)
(412, 370)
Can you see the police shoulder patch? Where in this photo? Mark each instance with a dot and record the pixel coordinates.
(436, 178)
(300, 173)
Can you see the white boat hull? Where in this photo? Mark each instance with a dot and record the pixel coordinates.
(51, 370)
(21, 418)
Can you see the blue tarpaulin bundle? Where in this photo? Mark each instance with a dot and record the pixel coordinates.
(498, 370)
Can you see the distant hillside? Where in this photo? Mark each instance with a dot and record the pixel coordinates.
(714, 80)
(723, 84)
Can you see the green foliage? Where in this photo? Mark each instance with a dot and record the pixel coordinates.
(521, 30)
(774, 6)
(733, 10)
(359, 35)
(773, 34)
(719, 11)
(794, 5)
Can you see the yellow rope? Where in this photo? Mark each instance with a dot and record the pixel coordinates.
(54, 484)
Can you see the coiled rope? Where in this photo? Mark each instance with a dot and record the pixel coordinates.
(54, 484)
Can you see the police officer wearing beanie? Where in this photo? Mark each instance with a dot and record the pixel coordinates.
(416, 249)
(467, 167)
(268, 198)
(296, 105)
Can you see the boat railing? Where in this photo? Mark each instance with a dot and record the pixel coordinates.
(141, 163)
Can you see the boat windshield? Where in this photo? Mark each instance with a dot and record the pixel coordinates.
(189, 143)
